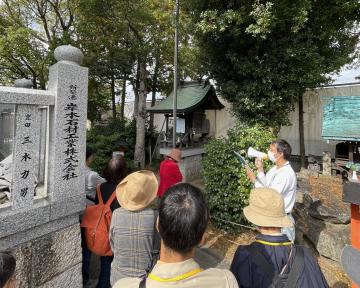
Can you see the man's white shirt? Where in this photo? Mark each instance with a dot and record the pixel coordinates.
(282, 180)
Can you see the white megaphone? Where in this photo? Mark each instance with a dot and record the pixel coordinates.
(252, 153)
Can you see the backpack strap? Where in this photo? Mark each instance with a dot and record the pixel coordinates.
(111, 199)
(99, 194)
(142, 283)
(261, 261)
(296, 267)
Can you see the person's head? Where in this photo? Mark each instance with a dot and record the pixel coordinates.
(90, 153)
(116, 170)
(7, 270)
(266, 210)
(183, 218)
(175, 155)
(279, 150)
(121, 146)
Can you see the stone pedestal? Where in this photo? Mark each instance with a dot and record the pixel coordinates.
(53, 260)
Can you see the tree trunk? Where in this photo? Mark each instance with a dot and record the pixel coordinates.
(153, 96)
(136, 90)
(153, 100)
(113, 96)
(301, 131)
(122, 112)
(139, 155)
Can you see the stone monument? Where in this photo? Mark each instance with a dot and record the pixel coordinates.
(43, 232)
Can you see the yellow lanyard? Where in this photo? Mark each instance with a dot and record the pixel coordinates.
(274, 243)
(177, 278)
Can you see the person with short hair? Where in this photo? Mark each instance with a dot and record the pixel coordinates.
(169, 171)
(7, 270)
(92, 178)
(280, 177)
(183, 218)
(271, 254)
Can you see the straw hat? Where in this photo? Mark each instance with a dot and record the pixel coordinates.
(137, 190)
(175, 154)
(266, 209)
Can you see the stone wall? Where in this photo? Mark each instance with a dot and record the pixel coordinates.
(322, 218)
(53, 260)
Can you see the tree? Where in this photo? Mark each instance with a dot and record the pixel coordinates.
(102, 35)
(31, 30)
(264, 54)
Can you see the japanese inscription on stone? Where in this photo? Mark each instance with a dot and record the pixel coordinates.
(25, 155)
(71, 139)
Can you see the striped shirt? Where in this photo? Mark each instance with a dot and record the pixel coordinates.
(131, 239)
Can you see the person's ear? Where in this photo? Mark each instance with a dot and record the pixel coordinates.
(203, 240)
(11, 282)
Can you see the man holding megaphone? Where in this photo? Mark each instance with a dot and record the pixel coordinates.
(280, 177)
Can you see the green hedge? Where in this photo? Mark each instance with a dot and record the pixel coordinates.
(102, 139)
(226, 185)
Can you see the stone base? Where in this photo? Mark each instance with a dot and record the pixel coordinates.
(53, 260)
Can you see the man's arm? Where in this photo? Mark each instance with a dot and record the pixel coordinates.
(260, 179)
(97, 179)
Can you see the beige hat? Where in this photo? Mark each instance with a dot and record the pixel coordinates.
(175, 154)
(137, 190)
(266, 209)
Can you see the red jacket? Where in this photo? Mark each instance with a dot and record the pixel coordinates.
(169, 175)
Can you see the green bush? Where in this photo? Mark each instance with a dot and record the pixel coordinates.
(102, 139)
(226, 185)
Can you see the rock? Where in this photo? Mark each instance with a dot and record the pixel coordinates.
(337, 216)
(328, 238)
(299, 197)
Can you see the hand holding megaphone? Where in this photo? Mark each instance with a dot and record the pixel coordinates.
(253, 153)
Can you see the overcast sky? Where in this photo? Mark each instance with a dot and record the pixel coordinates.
(347, 76)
